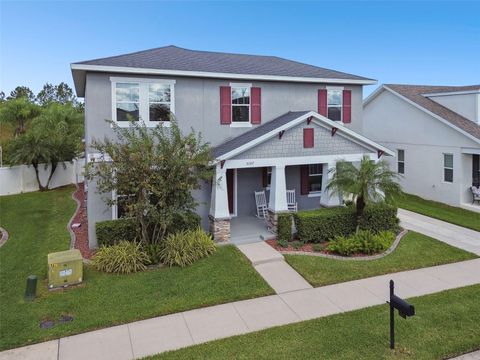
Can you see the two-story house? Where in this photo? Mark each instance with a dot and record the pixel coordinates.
(274, 124)
(436, 133)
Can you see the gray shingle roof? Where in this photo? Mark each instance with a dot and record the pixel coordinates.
(416, 93)
(256, 132)
(175, 58)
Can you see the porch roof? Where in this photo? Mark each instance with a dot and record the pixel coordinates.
(256, 132)
(286, 121)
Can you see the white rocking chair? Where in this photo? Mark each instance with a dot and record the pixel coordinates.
(291, 203)
(261, 202)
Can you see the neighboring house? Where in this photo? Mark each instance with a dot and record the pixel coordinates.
(274, 124)
(435, 131)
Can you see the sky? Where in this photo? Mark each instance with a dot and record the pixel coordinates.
(428, 42)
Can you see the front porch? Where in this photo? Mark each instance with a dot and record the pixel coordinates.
(296, 152)
(246, 229)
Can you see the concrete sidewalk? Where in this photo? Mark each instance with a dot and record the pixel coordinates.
(451, 234)
(153, 336)
(271, 265)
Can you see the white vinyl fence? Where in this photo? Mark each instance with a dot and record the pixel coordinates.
(21, 178)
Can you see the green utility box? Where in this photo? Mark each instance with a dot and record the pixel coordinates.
(65, 268)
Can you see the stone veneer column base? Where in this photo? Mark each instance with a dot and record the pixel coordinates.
(220, 229)
(272, 219)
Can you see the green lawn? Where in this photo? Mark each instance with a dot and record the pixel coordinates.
(414, 251)
(37, 225)
(445, 325)
(451, 214)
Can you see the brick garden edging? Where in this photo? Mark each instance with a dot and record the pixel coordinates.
(350, 258)
(4, 237)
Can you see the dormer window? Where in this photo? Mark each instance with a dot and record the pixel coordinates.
(148, 100)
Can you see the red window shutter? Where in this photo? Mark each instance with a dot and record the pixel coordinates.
(322, 102)
(256, 104)
(225, 105)
(347, 106)
(304, 183)
(264, 177)
(308, 141)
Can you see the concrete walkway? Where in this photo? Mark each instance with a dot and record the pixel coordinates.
(454, 235)
(470, 356)
(271, 265)
(153, 336)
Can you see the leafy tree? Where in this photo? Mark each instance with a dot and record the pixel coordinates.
(54, 138)
(18, 111)
(370, 182)
(61, 93)
(30, 149)
(22, 92)
(2, 96)
(156, 169)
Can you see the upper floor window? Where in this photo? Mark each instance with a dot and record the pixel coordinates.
(448, 167)
(334, 104)
(159, 102)
(148, 100)
(127, 101)
(240, 103)
(401, 161)
(315, 174)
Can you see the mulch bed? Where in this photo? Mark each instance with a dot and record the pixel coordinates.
(306, 247)
(81, 232)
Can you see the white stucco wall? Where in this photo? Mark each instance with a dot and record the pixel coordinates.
(463, 104)
(396, 124)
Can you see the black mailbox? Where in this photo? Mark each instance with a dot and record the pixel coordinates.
(404, 308)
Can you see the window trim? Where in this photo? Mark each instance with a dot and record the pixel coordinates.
(318, 192)
(449, 168)
(400, 161)
(336, 88)
(241, 123)
(143, 99)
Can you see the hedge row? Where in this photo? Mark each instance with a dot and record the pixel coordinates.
(284, 229)
(111, 232)
(324, 224)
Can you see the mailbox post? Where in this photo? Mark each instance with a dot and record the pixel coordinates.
(404, 310)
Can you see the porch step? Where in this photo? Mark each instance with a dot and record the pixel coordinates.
(246, 239)
(260, 253)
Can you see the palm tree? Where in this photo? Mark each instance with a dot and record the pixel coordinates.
(370, 182)
(30, 149)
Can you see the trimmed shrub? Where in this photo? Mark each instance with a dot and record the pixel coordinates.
(284, 228)
(123, 258)
(380, 217)
(364, 242)
(297, 244)
(184, 221)
(282, 243)
(324, 224)
(185, 247)
(318, 247)
(110, 232)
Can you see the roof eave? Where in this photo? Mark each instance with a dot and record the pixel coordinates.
(81, 70)
(438, 117)
(323, 119)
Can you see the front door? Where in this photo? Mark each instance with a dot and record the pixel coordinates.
(230, 190)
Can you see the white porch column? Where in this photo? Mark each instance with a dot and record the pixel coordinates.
(278, 190)
(219, 197)
(219, 213)
(328, 199)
